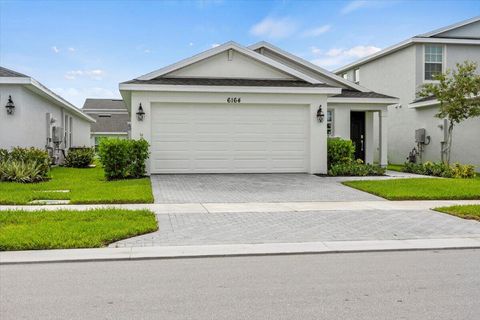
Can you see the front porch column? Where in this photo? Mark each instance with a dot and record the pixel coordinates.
(383, 130)
(369, 145)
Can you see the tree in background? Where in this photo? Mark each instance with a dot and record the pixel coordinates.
(458, 93)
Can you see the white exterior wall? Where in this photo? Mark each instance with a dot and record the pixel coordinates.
(318, 136)
(400, 74)
(27, 127)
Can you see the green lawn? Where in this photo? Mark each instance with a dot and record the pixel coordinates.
(465, 212)
(60, 229)
(85, 185)
(395, 167)
(420, 188)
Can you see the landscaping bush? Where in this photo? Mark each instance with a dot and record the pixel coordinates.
(356, 168)
(123, 159)
(440, 169)
(80, 157)
(340, 151)
(24, 165)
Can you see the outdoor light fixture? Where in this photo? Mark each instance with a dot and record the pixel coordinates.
(320, 114)
(10, 105)
(140, 113)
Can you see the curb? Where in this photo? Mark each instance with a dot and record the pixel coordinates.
(232, 250)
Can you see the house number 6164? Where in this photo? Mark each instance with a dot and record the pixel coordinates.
(233, 100)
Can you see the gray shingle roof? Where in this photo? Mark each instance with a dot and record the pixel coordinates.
(358, 94)
(107, 115)
(422, 99)
(228, 82)
(104, 104)
(4, 72)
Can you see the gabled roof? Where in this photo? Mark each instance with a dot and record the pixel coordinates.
(229, 82)
(8, 76)
(307, 64)
(224, 47)
(422, 38)
(450, 27)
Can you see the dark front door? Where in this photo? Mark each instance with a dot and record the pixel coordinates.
(357, 133)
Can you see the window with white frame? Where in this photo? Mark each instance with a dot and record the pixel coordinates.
(68, 131)
(433, 60)
(356, 76)
(330, 123)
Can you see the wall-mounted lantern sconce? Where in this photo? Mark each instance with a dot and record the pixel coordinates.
(320, 114)
(10, 105)
(140, 113)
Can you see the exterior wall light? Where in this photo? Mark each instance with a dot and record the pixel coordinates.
(140, 113)
(10, 105)
(320, 114)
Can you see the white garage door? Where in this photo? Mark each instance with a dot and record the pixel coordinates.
(228, 138)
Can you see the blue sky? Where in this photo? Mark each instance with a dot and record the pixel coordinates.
(84, 49)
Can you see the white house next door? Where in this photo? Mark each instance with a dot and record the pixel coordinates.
(229, 138)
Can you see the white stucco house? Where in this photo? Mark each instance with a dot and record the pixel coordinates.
(31, 115)
(401, 69)
(250, 109)
(111, 119)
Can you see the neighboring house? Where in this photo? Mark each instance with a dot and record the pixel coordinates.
(250, 109)
(400, 70)
(37, 117)
(111, 116)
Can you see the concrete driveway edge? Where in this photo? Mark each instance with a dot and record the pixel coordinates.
(172, 252)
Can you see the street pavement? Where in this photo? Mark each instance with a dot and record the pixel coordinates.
(389, 285)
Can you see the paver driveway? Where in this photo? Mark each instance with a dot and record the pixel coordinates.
(227, 188)
(177, 229)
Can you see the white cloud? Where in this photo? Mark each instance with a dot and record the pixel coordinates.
(191, 44)
(214, 45)
(95, 74)
(55, 49)
(360, 4)
(274, 28)
(147, 51)
(336, 57)
(71, 49)
(315, 32)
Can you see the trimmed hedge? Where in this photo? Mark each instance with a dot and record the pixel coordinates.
(356, 168)
(79, 157)
(24, 165)
(123, 159)
(440, 169)
(339, 151)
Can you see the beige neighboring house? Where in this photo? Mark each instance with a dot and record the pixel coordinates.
(400, 70)
(112, 119)
(256, 109)
(31, 115)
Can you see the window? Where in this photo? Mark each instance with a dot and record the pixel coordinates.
(356, 76)
(345, 76)
(433, 60)
(68, 123)
(330, 123)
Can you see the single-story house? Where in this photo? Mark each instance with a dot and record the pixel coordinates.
(111, 116)
(31, 115)
(401, 70)
(257, 109)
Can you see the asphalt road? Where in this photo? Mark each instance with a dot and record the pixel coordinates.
(389, 285)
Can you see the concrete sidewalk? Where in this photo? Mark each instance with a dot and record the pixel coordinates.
(138, 253)
(261, 206)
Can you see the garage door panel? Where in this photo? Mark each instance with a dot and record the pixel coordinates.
(227, 138)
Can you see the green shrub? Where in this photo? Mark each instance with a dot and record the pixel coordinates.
(24, 165)
(356, 168)
(123, 158)
(20, 171)
(440, 169)
(339, 151)
(79, 157)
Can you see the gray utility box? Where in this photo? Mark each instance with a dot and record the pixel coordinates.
(420, 135)
(57, 134)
